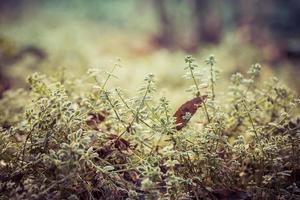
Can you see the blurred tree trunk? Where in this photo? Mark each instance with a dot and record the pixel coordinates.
(283, 22)
(243, 12)
(166, 35)
(208, 23)
(248, 18)
(13, 9)
(10, 9)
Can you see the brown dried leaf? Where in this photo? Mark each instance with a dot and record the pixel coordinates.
(114, 142)
(132, 176)
(120, 143)
(106, 150)
(188, 107)
(95, 118)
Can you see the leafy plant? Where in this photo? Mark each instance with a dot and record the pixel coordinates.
(104, 145)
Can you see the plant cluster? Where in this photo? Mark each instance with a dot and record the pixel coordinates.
(243, 144)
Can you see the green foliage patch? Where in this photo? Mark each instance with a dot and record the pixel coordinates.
(241, 144)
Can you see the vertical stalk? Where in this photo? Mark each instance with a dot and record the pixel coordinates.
(212, 81)
(250, 118)
(198, 92)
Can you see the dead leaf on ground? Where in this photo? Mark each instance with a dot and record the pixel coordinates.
(132, 176)
(120, 143)
(94, 119)
(114, 142)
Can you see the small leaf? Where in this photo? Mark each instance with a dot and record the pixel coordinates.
(108, 168)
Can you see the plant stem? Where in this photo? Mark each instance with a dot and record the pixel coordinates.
(108, 76)
(250, 118)
(131, 110)
(198, 92)
(212, 81)
(115, 111)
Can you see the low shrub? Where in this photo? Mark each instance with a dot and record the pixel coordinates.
(238, 144)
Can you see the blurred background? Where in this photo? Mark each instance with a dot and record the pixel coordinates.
(67, 37)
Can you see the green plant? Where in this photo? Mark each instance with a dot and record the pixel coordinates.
(104, 145)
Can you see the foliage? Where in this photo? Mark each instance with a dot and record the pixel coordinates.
(103, 145)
